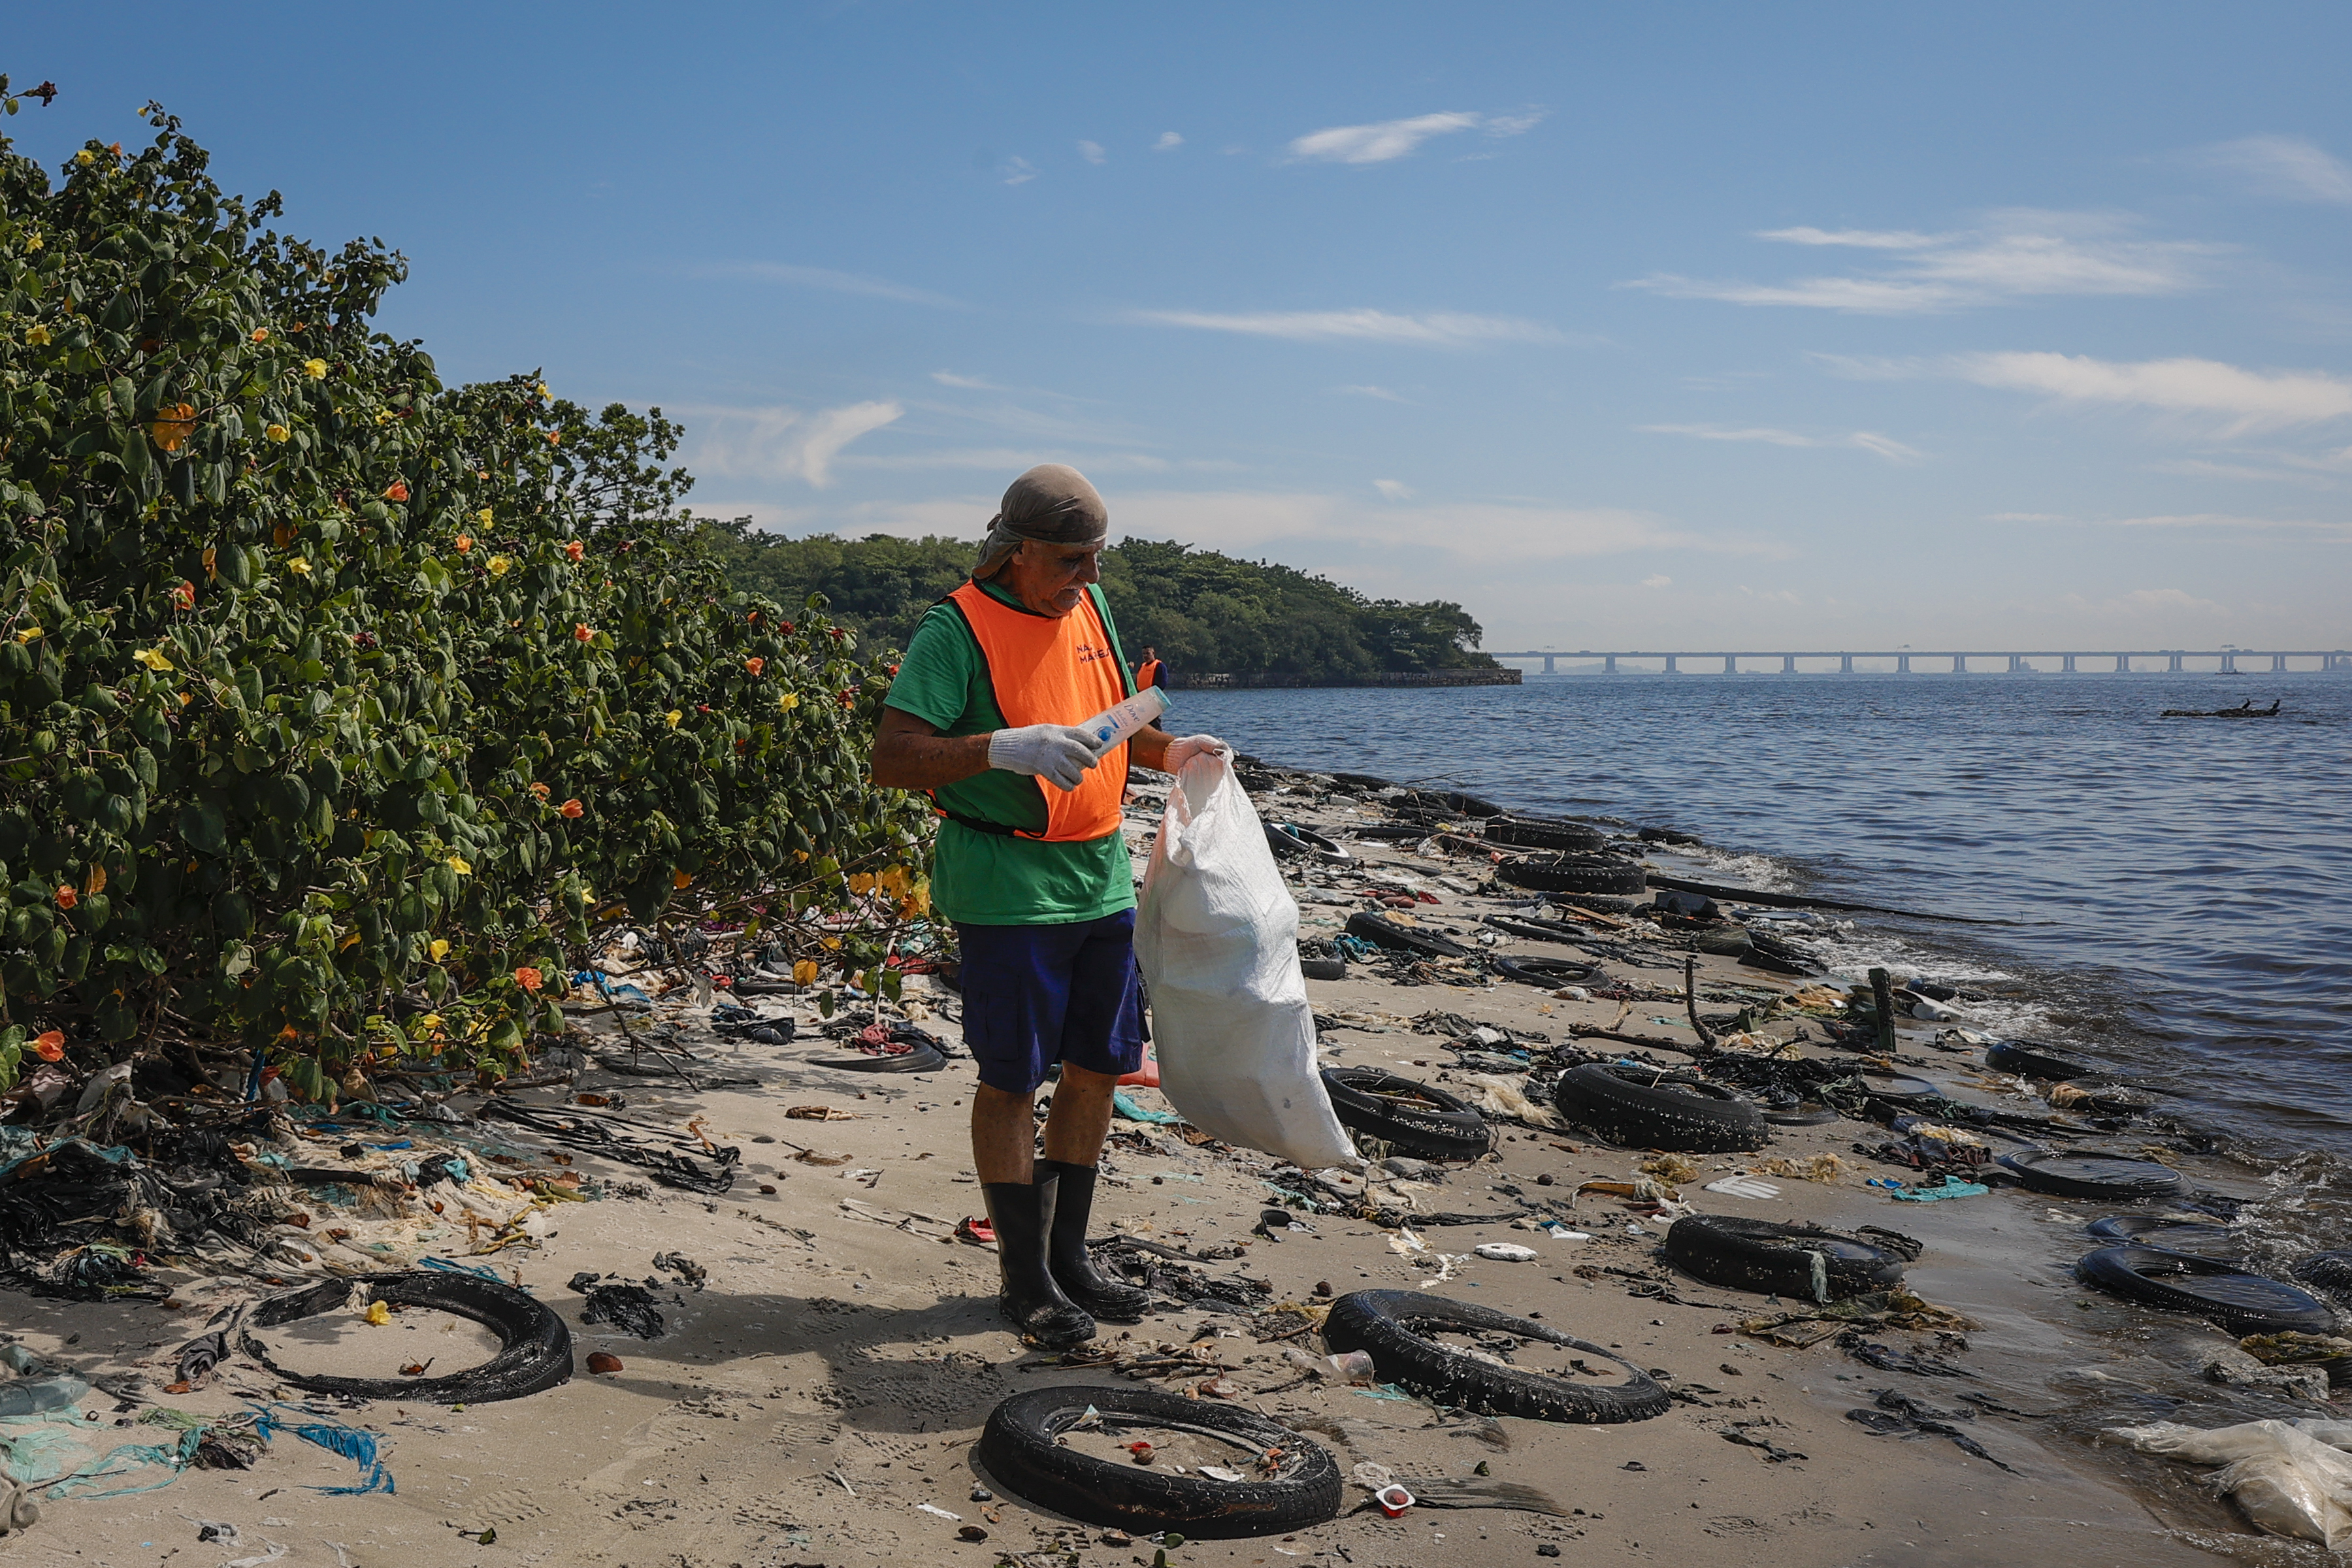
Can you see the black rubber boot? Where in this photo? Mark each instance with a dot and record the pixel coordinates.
(1022, 1214)
(1113, 1301)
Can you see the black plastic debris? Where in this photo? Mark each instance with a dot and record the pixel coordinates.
(630, 1307)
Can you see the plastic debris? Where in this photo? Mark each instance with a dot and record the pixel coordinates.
(1744, 1187)
(1504, 1252)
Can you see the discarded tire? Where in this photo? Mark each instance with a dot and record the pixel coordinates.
(2108, 1176)
(1413, 1116)
(1388, 933)
(1323, 968)
(2240, 1303)
(1021, 1450)
(1768, 951)
(2170, 1233)
(534, 1346)
(1551, 974)
(1573, 874)
(1542, 833)
(1394, 1326)
(1802, 1261)
(2331, 1271)
(2008, 1055)
(1646, 1107)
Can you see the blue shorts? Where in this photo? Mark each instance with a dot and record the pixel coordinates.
(1034, 996)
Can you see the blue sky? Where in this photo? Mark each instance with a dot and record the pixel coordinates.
(1769, 326)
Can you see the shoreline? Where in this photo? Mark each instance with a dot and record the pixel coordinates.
(830, 1379)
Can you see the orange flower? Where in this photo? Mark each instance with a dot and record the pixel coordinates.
(396, 491)
(849, 698)
(465, 543)
(185, 596)
(67, 897)
(573, 549)
(581, 634)
(261, 334)
(539, 790)
(755, 665)
(50, 1047)
(530, 979)
(174, 425)
(570, 809)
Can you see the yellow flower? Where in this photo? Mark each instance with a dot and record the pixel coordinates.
(498, 564)
(299, 566)
(458, 864)
(185, 699)
(438, 951)
(386, 416)
(36, 336)
(789, 700)
(278, 433)
(542, 389)
(316, 369)
(433, 1020)
(153, 658)
(85, 157)
(28, 634)
(673, 715)
(34, 243)
(483, 517)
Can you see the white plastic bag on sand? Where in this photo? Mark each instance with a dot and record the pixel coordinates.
(2286, 1481)
(1216, 933)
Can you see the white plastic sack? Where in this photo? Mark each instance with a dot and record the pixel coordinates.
(1216, 934)
(2287, 1482)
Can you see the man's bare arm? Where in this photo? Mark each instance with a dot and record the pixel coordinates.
(1150, 746)
(911, 754)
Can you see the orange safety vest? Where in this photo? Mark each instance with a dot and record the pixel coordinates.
(1147, 674)
(1055, 670)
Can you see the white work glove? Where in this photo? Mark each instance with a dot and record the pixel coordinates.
(1059, 752)
(1185, 748)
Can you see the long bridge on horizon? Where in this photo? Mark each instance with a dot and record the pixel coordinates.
(2176, 661)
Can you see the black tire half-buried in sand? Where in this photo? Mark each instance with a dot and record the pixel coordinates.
(1803, 1262)
(1407, 1114)
(534, 1346)
(1021, 1450)
(1573, 874)
(1395, 1326)
(2240, 1303)
(1650, 1107)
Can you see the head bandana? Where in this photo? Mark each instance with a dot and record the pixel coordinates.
(1051, 503)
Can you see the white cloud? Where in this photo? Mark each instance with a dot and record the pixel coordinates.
(2286, 167)
(1657, 580)
(1393, 489)
(1382, 393)
(966, 382)
(2247, 399)
(1018, 170)
(826, 277)
(1441, 330)
(1864, 441)
(1168, 142)
(1092, 151)
(1011, 460)
(1475, 533)
(2231, 520)
(1862, 238)
(1380, 143)
(2022, 254)
(782, 443)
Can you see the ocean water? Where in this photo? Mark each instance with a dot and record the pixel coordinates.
(2182, 888)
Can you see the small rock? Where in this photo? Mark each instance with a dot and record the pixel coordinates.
(1117, 1537)
(1730, 1371)
(1632, 1464)
(1545, 1180)
(971, 1533)
(769, 1188)
(982, 1494)
(603, 1361)
(1547, 1550)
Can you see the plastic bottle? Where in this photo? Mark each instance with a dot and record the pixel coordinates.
(1113, 725)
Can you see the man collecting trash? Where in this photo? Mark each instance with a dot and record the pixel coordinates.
(984, 715)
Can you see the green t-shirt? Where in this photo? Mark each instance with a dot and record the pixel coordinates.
(987, 878)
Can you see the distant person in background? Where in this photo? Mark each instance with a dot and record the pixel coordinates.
(1031, 867)
(1151, 672)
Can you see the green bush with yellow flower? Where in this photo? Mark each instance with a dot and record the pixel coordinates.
(339, 708)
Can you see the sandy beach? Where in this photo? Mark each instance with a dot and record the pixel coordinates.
(815, 1398)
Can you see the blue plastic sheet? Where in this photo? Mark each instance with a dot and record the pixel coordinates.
(1953, 1187)
(1122, 1105)
(350, 1442)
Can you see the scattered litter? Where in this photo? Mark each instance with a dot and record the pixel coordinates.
(1744, 1187)
(1505, 1252)
(2286, 1480)
(1952, 1187)
(630, 1307)
(932, 1508)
